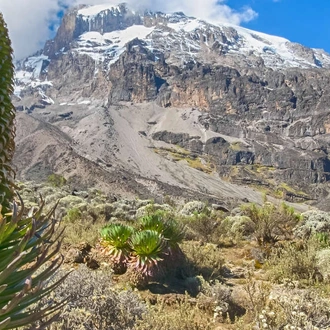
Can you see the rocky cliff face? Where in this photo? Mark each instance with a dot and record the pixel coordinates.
(253, 106)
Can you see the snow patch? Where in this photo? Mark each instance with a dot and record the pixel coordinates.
(46, 99)
(92, 11)
(179, 37)
(187, 26)
(272, 49)
(85, 102)
(29, 74)
(39, 83)
(109, 46)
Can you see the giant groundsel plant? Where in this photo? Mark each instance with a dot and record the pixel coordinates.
(7, 117)
(29, 247)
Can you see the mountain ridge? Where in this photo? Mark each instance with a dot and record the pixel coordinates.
(184, 95)
(83, 30)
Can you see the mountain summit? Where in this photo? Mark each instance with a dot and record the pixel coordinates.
(150, 102)
(103, 31)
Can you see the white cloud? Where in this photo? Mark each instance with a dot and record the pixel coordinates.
(28, 20)
(28, 23)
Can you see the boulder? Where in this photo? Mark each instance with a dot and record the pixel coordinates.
(218, 207)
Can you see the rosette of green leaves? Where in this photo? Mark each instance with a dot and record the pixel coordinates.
(152, 222)
(28, 259)
(172, 231)
(116, 237)
(148, 248)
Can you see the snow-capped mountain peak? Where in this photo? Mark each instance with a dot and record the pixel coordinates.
(103, 31)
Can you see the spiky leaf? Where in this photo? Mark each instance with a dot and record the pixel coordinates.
(29, 253)
(148, 249)
(173, 233)
(116, 238)
(152, 222)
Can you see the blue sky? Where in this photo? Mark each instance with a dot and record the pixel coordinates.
(303, 21)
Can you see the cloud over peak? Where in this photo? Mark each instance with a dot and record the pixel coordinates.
(29, 21)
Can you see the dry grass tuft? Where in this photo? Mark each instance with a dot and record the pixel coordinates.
(181, 316)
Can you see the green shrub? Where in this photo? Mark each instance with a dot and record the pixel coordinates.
(271, 222)
(56, 180)
(286, 308)
(82, 230)
(81, 227)
(72, 215)
(216, 299)
(295, 261)
(202, 227)
(181, 316)
(234, 229)
(323, 239)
